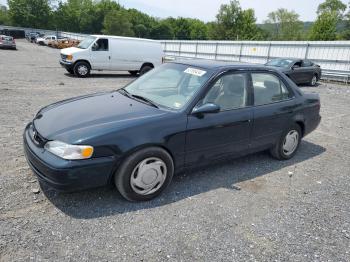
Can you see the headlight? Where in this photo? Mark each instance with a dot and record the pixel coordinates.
(69, 152)
(69, 57)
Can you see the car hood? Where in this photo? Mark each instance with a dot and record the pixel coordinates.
(78, 119)
(71, 50)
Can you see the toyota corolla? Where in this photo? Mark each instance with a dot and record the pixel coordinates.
(180, 115)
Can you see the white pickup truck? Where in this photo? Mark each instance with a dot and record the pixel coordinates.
(45, 40)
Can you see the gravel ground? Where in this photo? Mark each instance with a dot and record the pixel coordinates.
(249, 209)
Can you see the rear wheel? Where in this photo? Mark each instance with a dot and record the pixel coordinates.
(144, 174)
(288, 144)
(81, 69)
(145, 69)
(133, 73)
(314, 80)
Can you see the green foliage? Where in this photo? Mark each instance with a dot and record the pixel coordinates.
(330, 14)
(198, 30)
(346, 33)
(29, 13)
(117, 23)
(162, 30)
(325, 27)
(336, 6)
(4, 15)
(285, 24)
(233, 23)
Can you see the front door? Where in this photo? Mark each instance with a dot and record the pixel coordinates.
(101, 55)
(226, 133)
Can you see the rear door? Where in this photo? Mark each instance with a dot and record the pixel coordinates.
(274, 107)
(100, 57)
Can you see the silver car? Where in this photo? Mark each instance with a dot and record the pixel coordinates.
(7, 42)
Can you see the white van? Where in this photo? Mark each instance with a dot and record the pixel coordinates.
(112, 53)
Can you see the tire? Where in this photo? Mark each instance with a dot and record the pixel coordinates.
(133, 73)
(71, 71)
(314, 80)
(127, 176)
(145, 69)
(279, 151)
(82, 69)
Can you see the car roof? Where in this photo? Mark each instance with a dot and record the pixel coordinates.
(125, 38)
(215, 64)
(286, 58)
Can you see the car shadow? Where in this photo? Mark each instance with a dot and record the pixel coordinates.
(107, 201)
(97, 75)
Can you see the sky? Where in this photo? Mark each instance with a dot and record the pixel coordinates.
(207, 9)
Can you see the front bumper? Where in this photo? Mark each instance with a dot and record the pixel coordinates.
(66, 175)
(67, 65)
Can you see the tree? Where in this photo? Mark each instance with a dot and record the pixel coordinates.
(30, 13)
(77, 16)
(117, 23)
(248, 28)
(234, 23)
(4, 16)
(287, 25)
(325, 27)
(346, 33)
(162, 30)
(198, 30)
(332, 6)
(142, 24)
(330, 14)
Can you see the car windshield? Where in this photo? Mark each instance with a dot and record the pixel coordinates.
(86, 42)
(170, 85)
(280, 62)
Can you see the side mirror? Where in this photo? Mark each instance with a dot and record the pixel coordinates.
(94, 47)
(208, 108)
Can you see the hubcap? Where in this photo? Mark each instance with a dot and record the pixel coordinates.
(148, 176)
(314, 80)
(290, 142)
(82, 70)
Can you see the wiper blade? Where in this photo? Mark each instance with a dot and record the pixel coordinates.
(148, 101)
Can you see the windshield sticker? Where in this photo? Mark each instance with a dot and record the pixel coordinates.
(195, 72)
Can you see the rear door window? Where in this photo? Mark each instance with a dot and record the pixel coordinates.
(268, 89)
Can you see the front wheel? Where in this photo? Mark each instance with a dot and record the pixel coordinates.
(144, 174)
(288, 144)
(81, 69)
